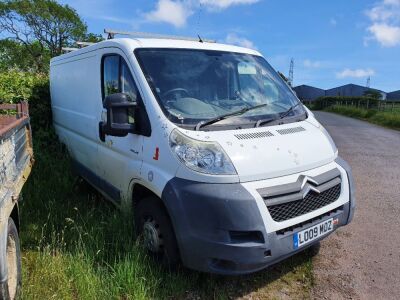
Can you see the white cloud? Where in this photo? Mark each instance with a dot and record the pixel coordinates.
(223, 4)
(386, 35)
(392, 2)
(385, 23)
(381, 13)
(172, 12)
(333, 21)
(312, 64)
(176, 12)
(356, 73)
(234, 39)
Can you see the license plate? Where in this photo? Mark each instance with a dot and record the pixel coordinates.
(310, 234)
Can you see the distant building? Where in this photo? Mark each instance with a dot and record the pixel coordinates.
(393, 96)
(308, 93)
(351, 90)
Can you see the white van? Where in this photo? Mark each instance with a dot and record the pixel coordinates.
(226, 171)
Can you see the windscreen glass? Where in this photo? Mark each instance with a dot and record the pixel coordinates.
(196, 85)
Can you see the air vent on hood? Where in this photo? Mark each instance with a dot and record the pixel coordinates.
(253, 135)
(291, 130)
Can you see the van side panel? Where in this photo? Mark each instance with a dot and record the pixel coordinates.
(76, 104)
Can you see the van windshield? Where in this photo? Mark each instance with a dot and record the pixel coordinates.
(192, 86)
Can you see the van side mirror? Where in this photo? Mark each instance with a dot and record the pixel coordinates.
(118, 107)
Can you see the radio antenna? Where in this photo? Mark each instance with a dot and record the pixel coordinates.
(198, 21)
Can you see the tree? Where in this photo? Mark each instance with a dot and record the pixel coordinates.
(93, 38)
(373, 94)
(14, 55)
(41, 26)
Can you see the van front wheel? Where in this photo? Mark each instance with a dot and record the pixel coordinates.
(154, 229)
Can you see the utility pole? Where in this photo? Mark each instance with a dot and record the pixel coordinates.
(291, 72)
(368, 82)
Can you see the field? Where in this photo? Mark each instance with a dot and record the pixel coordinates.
(78, 246)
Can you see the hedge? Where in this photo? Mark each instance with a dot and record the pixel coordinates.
(384, 118)
(326, 101)
(18, 86)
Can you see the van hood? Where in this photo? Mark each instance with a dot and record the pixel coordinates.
(274, 151)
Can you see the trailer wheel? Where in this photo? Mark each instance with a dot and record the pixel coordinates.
(11, 289)
(153, 227)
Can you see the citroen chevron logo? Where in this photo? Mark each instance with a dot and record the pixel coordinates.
(306, 187)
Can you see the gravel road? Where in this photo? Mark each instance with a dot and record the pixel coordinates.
(362, 260)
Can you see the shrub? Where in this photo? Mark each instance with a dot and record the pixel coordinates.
(349, 111)
(23, 86)
(388, 119)
(370, 113)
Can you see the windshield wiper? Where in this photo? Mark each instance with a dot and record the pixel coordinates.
(283, 115)
(225, 116)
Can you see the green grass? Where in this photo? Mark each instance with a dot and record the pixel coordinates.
(389, 119)
(78, 246)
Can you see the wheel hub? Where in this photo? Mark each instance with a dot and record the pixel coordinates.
(151, 234)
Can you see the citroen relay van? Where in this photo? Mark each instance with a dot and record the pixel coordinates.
(225, 170)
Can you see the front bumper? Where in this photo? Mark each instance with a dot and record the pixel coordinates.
(219, 227)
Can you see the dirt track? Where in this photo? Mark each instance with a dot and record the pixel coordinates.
(362, 260)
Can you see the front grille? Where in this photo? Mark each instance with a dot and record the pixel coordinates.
(302, 225)
(312, 201)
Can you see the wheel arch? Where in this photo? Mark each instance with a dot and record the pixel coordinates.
(140, 191)
(15, 216)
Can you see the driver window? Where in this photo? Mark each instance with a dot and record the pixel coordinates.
(110, 75)
(127, 83)
(117, 78)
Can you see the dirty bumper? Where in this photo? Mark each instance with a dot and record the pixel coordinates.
(219, 228)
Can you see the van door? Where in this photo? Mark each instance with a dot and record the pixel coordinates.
(118, 157)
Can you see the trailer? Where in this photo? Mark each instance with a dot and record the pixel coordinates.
(16, 160)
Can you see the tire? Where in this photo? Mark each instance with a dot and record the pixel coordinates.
(11, 289)
(152, 223)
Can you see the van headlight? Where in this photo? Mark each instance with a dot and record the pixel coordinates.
(204, 157)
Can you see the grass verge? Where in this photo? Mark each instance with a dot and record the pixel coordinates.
(78, 246)
(384, 118)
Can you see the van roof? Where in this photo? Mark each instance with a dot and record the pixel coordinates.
(130, 44)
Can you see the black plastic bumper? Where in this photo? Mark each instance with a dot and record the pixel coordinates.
(219, 228)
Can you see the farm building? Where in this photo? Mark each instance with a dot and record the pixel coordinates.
(308, 93)
(351, 90)
(393, 96)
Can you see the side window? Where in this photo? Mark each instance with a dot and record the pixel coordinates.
(117, 78)
(128, 85)
(110, 75)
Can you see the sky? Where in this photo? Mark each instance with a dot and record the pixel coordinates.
(331, 42)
